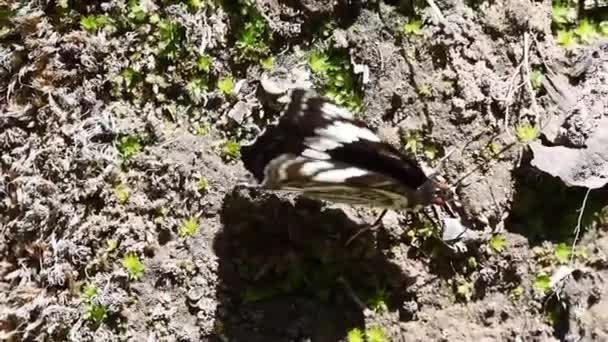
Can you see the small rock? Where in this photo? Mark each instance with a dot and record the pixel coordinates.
(239, 112)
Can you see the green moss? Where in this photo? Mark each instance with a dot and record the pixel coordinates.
(134, 267)
(231, 150)
(412, 28)
(334, 75)
(189, 227)
(226, 85)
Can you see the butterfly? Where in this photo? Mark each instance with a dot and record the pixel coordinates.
(320, 150)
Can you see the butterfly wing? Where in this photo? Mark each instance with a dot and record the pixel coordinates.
(319, 149)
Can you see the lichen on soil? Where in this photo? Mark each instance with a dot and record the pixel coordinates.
(120, 123)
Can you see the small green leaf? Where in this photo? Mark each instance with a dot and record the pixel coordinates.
(189, 227)
(542, 283)
(355, 335)
(536, 78)
(231, 150)
(122, 193)
(203, 63)
(430, 151)
(517, 292)
(95, 313)
(497, 243)
(562, 253)
(566, 38)
(89, 292)
(375, 334)
(202, 184)
(586, 31)
(562, 15)
(526, 133)
(129, 146)
(226, 85)
(267, 63)
(413, 27)
(134, 267)
(319, 62)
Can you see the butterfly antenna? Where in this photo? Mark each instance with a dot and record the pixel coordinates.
(435, 173)
(475, 168)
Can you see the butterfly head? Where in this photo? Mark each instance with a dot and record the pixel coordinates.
(434, 191)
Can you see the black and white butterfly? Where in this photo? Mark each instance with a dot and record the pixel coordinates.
(320, 150)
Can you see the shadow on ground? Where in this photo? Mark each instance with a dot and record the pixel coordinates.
(545, 209)
(281, 266)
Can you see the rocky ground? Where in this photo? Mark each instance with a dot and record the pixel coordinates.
(120, 218)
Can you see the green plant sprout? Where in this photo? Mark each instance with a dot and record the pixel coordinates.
(562, 15)
(202, 184)
(536, 78)
(92, 23)
(542, 283)
(189, 227)
(130, 77)
(355, 335)
(424, 90)
(226, 85)
(526, 133)
(94, 312)
(196, 89)
(334, 74)
(318, 62)
(586, 31)
(464, 290)
(122, 193)
(267, 63)
(412, 27)
(497, 243)
(251, 39)
(566, 38)
(129, 146)
(203, 63)
(231, 150)
(377, 301)
(170, 36)
(375, 334)
(134, 267)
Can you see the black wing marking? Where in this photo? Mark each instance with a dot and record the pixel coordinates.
(314, 129)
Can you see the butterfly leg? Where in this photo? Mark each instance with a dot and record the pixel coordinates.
(374, 225)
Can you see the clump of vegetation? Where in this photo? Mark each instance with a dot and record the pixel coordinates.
(463, 289)
(122, 193)
(251, 39)
(526, 133)
(378, 300)
(572, 31)
(497, 243)
(373, 334)
(536, 78)
(231, 150)
(134, 267)
(226, 85)
(170, 36)
(334, 76)
(189, 227)
(414, 143)
(542, 283)
(412, 28)
(203, 63)
(94, 312)
(92, 23)
(251, 35)
(202, 184)
(128, 146)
